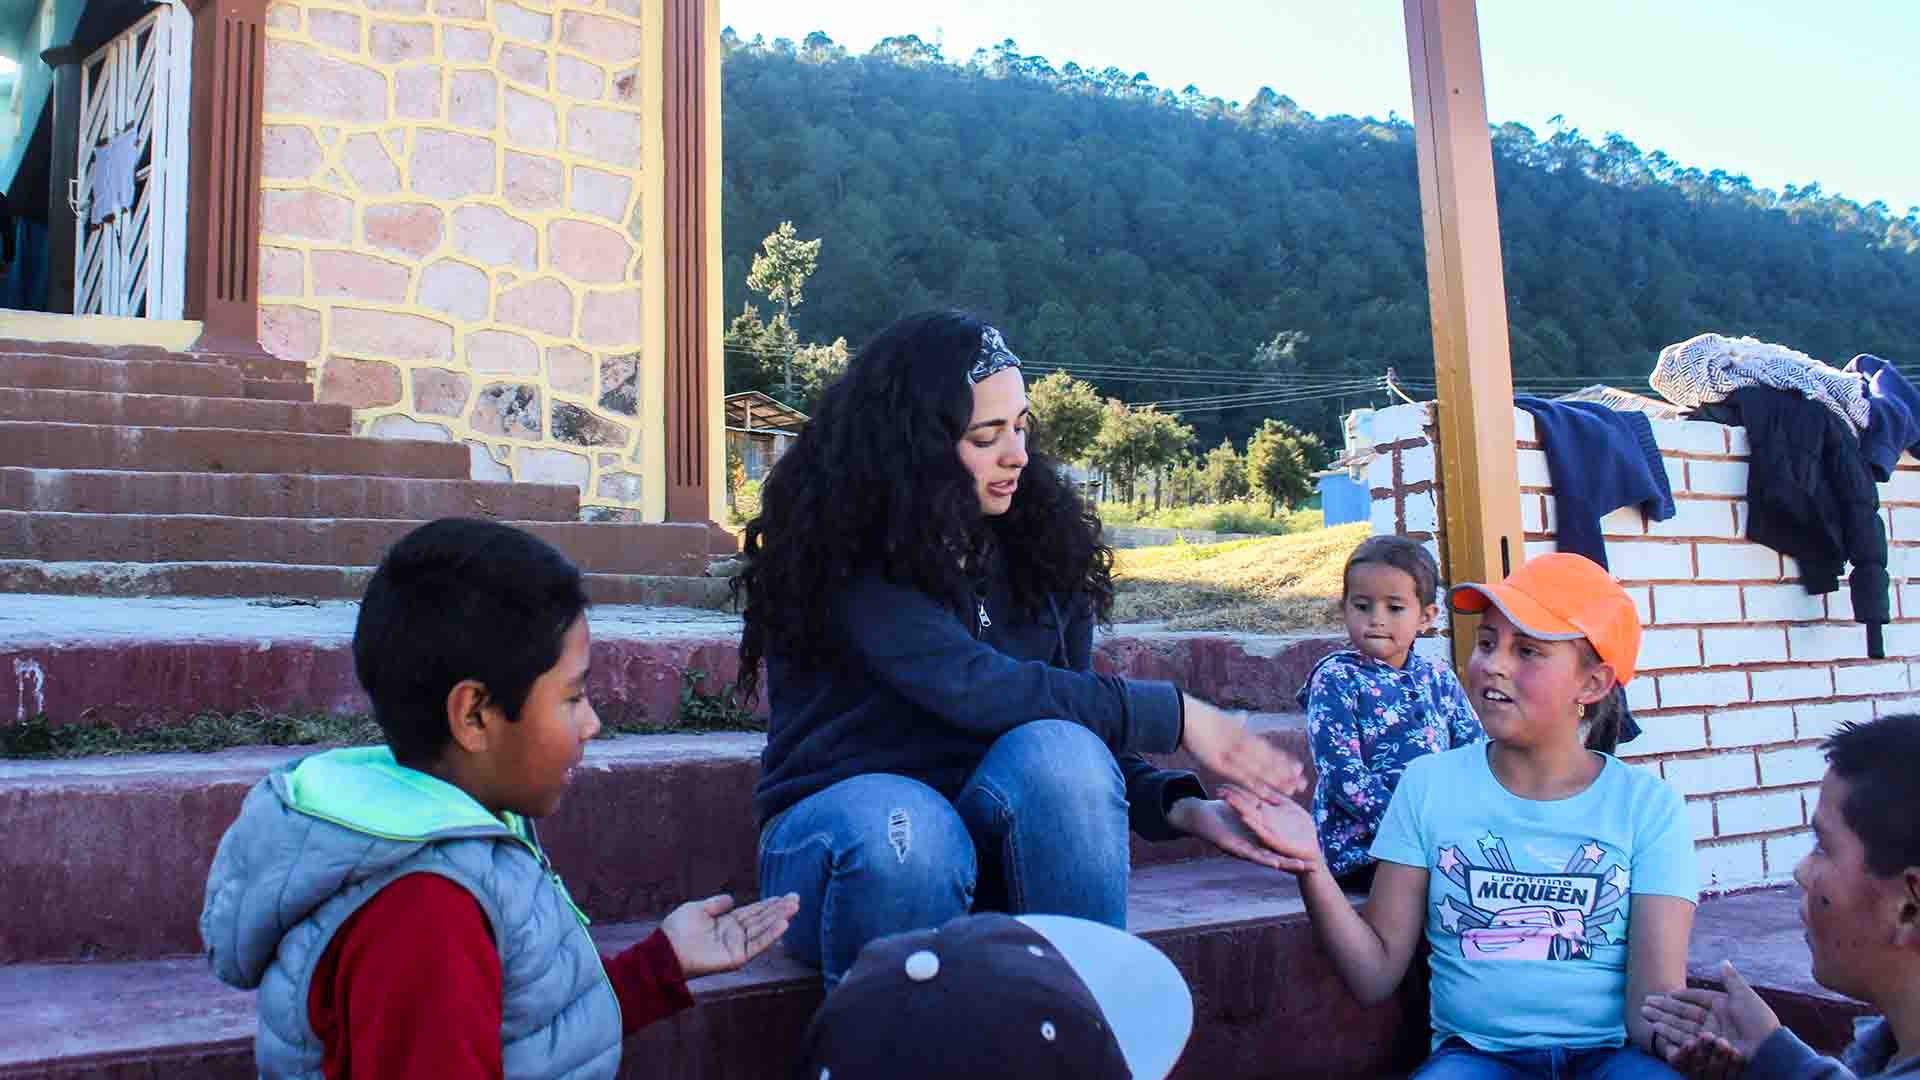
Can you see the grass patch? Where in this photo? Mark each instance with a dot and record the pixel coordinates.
(1271, 585)
(36, 739)
(1245, 516)
(206, 732)
(724, 711)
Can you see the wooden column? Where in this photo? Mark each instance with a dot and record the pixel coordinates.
(224, 144)
(684, 104)
(1472, 365)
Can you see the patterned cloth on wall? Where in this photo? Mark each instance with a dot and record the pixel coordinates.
(1704, 369)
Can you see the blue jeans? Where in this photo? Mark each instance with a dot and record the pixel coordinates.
(1045, 814)
(1456, 1060)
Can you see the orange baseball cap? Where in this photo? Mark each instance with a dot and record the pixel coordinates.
(1564, 597)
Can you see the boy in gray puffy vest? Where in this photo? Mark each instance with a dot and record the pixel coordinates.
(393, 904)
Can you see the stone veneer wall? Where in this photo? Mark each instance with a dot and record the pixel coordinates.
(1742, 672)
(451, 225)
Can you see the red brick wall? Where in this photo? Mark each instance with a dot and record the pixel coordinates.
(1742, 672)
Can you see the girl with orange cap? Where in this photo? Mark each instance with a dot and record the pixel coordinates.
(1554, 884)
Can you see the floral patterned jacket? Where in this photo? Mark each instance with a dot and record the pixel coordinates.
(1366, 721)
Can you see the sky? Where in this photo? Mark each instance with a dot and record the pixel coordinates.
(1785, 92)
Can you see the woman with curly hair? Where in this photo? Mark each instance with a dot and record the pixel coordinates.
(923, 592)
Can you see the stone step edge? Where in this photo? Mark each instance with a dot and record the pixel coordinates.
(128, 839)
(323, 437)
(225, 374)
(143, 676)
(160, 476)
(118, 448)
(642, 548)
(300, 582)
(81, 392)
(253, 365)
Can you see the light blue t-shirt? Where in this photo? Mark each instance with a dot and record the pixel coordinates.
(1528, 901)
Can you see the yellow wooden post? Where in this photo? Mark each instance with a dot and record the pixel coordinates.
(1472, 365)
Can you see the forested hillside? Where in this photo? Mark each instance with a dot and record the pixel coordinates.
(1129, 233)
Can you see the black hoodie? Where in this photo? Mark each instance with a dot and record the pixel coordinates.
(1811, 495)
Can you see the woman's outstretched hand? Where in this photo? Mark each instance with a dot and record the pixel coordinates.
(1215, 822)
(1223, 743)
(712, 935)
(1284, 828)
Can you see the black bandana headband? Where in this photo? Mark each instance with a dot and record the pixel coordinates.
(994, 357)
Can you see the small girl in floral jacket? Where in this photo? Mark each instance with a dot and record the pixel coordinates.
(1375, 707)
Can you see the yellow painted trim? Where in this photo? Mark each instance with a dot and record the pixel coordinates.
(653, 266)
(177, 335)
(715, 313)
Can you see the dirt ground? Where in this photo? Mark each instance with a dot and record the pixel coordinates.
(1272, 585)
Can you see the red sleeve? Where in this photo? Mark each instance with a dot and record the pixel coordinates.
(410, 986)
(648, 981)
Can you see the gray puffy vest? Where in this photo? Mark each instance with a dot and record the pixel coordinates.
(315, 841)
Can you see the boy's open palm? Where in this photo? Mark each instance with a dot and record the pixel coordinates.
(1284, 827)
(711, 935)
(1709, 1030)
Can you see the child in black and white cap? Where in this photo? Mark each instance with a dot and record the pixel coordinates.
(1037, 996)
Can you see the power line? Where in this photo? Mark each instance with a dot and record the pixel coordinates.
(1546, 389)
(1221, 374)
(1278, 399)
(1547, 380)
(1210, 381)
(1358, 386)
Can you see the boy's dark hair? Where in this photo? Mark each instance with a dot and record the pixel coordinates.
(1408, 556)
(457, 599)
(1877, 759)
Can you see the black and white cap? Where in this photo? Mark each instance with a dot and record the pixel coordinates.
(1037, 996)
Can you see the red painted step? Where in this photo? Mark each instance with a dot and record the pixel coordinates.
(35, 371)
(125, 842)
(156, 538)
(166, 449)
(254, 365)
(282, 495)
(276, 582)
(164, 410)
(277, 389)
(1266, 1002)
(159, 660)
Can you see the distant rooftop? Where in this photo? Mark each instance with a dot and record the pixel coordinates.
(753, 410)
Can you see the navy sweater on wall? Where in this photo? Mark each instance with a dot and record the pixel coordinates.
(1600, 460)
(1893, 419)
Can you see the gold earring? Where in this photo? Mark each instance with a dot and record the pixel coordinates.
(1583, 711)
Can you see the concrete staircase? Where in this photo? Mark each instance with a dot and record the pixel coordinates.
(134, 471)
(102, 872)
